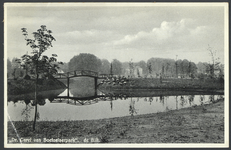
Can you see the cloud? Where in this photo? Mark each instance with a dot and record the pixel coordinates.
(183, 34)
(87, 37)
(166, 31)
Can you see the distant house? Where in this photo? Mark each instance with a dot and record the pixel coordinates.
(137, 72)
(183, 75)
(127, 72)
(218, 72)
(60, 71)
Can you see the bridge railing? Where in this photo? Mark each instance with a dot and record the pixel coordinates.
(105, 75)
(77, 73)
(89, 73)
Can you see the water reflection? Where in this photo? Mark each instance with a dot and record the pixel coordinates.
(26, 111)
(29, 97)
(211, 98)
(182, 101)
(162, 100)
(191, 99)
(80, 102)
(176, 103)
(202, 98)
(29, 100)
(132, 109)
(55, 105)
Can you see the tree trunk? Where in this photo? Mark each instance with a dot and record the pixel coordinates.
(35, 98)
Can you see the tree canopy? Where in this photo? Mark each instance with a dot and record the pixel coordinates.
(85, 61)
(116, 67)
(105, 68)
(36, 62)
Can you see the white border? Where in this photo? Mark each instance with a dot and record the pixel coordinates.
(226, 53)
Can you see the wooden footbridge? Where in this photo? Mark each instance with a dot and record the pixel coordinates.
(82, 73)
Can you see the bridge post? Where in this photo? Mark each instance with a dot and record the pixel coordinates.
(68, 83)
(95, 79)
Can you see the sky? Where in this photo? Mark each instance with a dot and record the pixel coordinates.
(122, 32)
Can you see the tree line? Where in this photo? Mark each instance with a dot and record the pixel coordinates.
(153, 67)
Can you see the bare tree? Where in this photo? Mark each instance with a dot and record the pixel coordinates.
(131, 68)
(211, 67)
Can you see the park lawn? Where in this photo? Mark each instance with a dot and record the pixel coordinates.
(171, 83)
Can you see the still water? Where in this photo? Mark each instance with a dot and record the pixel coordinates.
(53, 106)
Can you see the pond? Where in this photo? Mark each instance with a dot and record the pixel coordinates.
(56, 106)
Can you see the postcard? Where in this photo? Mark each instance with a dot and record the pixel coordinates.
(116, 75)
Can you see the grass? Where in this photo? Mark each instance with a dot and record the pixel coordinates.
(200, 124)
(22, 86)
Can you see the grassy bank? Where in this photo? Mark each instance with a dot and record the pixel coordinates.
(200, 124)
(22, 86)
(155, 83)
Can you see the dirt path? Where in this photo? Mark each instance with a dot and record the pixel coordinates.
(189, 125)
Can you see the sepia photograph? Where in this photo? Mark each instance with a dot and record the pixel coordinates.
(116, 75)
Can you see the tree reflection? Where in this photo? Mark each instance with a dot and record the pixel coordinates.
(27, 101)
(51, 98)
(191, 99)
(150, 100)
(40, 100)
(211, 98)
(182, 101)
(176, 102)
(145, 99)
(202, 98)
(35, 100)
(220, 97)
(162, 99)
(26, 112)
(111, 103)
(132, 109)
(166, 98)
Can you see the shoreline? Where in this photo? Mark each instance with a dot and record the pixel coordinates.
(199, 124)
